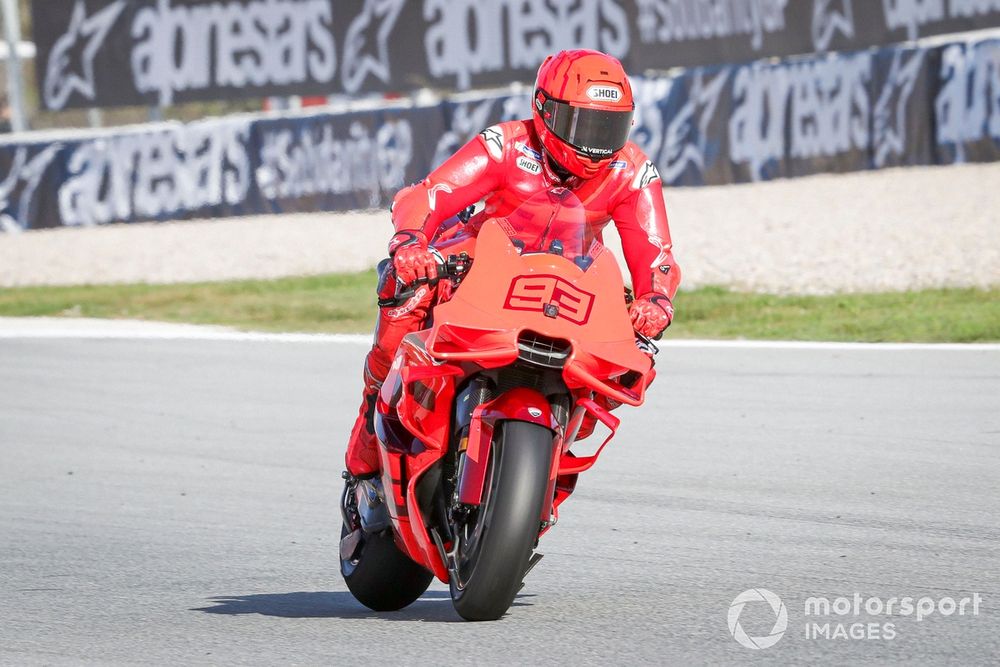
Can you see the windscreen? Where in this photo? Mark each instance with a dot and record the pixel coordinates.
(552, 221)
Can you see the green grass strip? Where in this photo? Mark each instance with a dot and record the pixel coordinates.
(346, 303)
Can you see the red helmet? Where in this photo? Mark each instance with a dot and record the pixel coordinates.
(583, 110)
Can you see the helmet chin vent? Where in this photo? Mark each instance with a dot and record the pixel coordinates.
(562, 172)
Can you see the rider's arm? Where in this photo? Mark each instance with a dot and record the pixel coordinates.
(464, 178)
(641, 219)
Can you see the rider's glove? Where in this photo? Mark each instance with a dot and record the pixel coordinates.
(411, 258)
(651, 314)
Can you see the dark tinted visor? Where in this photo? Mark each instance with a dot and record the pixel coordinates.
(596, 133)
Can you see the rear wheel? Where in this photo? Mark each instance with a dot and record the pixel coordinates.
(495, 540)
(379, 575)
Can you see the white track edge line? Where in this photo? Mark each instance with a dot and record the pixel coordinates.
(230, 336)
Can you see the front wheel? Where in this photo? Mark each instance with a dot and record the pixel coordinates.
(496, 539)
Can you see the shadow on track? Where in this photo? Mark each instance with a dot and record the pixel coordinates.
(433, 606)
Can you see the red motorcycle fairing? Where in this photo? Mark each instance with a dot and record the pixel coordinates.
(410, 395)
(550, 295)
(507, 295)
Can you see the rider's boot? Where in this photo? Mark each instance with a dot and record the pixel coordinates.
(395, 320)
(362, 449)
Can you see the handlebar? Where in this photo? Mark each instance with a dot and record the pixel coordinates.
(454, 268)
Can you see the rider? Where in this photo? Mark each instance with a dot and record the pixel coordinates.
(576, 138)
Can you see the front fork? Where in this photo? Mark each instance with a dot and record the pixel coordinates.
(518, 404)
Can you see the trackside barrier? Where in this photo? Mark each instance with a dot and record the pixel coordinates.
(889, 107)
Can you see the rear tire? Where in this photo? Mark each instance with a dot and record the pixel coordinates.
(381, 576)
(491, 575)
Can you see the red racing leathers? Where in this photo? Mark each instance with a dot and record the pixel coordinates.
(505, 166)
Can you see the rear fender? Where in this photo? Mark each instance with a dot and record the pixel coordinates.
(519, 404)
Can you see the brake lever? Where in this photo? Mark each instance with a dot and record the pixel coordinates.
(646, 344)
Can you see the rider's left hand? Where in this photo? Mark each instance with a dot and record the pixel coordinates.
(651, 314)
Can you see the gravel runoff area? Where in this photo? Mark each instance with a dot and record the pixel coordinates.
(889, 230)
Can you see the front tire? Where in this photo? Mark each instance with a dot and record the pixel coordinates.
(493, 560)
(381, 576)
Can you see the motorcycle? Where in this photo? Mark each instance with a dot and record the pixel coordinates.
(479, 418)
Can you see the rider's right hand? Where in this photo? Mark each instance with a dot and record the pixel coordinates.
(411, 257)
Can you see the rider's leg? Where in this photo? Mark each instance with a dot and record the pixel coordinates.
(395, 320)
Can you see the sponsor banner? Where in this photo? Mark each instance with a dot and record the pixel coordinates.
(703, 32)
(160, 52)
(682, 125)
(30, 176)
(154, 174)
(705, 126)
(218, 168)
(464, 120)
(967, 103)
(833, 113)
(340, 162)
(903, 87)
